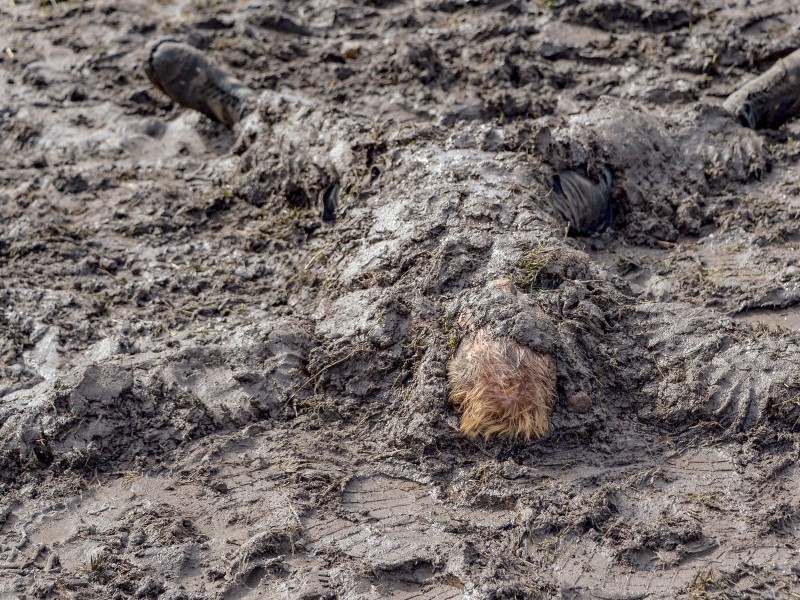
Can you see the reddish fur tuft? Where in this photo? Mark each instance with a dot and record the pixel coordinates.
(501, 387)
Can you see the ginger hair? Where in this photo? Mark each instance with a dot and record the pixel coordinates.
(501, 387)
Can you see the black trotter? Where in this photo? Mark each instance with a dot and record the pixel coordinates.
(190, 79)
(585, 205)
(770, 99)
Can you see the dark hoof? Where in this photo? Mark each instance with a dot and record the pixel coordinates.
(329, 198)
(770, 99)
(585, 205)
(190, 79)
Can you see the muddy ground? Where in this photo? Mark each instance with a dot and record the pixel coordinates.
(208, 391)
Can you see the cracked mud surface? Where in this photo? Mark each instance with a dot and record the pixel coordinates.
(208, 392)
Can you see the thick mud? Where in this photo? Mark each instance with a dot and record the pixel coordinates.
(208, 390)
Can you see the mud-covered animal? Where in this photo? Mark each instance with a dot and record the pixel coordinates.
(502, 378)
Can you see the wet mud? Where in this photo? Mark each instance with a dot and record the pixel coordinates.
(224, 352)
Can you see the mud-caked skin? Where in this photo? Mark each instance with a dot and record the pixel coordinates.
(190, 79)
(585, 205)
(770, 99)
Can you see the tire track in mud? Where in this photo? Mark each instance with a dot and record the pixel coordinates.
(395, 528)
(730, 378)
(702, 499)
(735, 376)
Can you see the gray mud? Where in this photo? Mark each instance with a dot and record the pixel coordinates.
(208, 391)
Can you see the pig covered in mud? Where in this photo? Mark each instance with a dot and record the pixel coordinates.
(243, 346)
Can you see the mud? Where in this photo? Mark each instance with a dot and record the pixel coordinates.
(224, 352)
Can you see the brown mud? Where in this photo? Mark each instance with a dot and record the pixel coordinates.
(208, 391)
